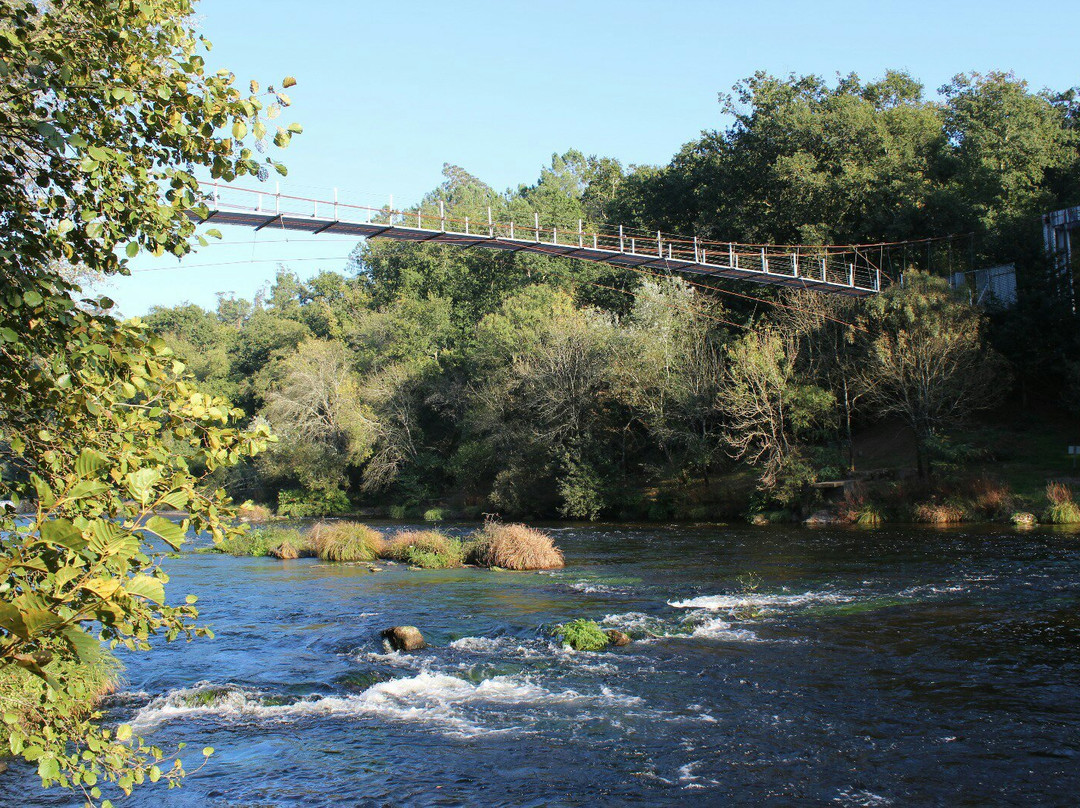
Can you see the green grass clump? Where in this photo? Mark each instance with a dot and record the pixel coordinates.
(398, 511)
(1062, 509)
(434, 515)
(346, 541)
(288, 543)
(513, 547)
(32, 704)
(582, 635)
(868, 515)
(429, 549)
(249, 543)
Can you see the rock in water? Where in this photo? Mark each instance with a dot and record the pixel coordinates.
(821, 517)
(617, 638)
(404, 638)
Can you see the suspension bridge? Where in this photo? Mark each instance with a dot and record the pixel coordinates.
(842, 270)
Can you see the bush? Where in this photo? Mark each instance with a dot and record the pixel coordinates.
(250, 512)
(935, 513)
(346, 541)
(287, 543)
(582, 635)
(425, 548)
(434, 515)
(302, 504)
(398, 511)
(868, 515)
(34, 705)
(990, 499)
(1062, 509)
(513, 547)
(250, 543)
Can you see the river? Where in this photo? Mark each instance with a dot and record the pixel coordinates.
(771, 666)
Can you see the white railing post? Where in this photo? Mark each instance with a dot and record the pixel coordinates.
(659, 245)
(764, 262)
(622, 242)
(491, 227)
(511, 228)
(466, 225)
(580, 235)
(536, 226)
(390, 212)
(335, 205)
(731, 255)
(696, 257)
(442, 216)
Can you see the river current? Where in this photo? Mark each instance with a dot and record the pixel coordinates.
(770, 666)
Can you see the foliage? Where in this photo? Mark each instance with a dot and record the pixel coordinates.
(434, 515)
(267, 541)
(513, 547)
(1062, 509)
(582, 635)
(107, 109)
(768, 410)
(345, 541)
(929, 364)
(429, 549)
(299, 503)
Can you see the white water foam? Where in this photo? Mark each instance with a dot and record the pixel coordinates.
(701, 624)
(449, 703)
(731, 602)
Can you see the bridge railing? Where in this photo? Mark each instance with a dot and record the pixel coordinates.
(834, 265)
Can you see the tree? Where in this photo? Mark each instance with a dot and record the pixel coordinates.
(105, 110)
(323, 425)
(769, 409)
(929, 363)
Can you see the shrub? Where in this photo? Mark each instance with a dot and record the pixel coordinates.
(301, 503)
(287, 543)
(868, 515)
(1062, 510)
(398, 511)
(425, 548)
(938, 513)
(513, 547)
(434, 515)
(249, 543)
(582, 635)
(250, 512)
(990, 498)
(346, 541)
(34, 705)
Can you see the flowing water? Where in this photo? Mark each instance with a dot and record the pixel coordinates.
(771, 666)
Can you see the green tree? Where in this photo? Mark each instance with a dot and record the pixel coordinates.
(929, 363)
(106, 109)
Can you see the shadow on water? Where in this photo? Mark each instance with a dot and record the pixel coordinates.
(896, 666)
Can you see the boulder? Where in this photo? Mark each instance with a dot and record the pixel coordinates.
(821, 517)
(617, 638)
(404, 638)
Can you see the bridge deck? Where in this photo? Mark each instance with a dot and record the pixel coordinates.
(776, 266)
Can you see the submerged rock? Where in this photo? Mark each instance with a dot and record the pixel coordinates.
(404, 638)
(617, 638)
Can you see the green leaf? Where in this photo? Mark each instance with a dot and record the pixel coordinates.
(288, 81)
(144, 586)
(141, 483)
(132, 249)
(239, 130)
(172, 533)
(89, 462)
(213, 232)
(123, 732)
(63, 533)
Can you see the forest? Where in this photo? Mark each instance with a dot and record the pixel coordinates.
(424, 377)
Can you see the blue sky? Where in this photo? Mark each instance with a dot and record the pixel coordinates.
(388, 92)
